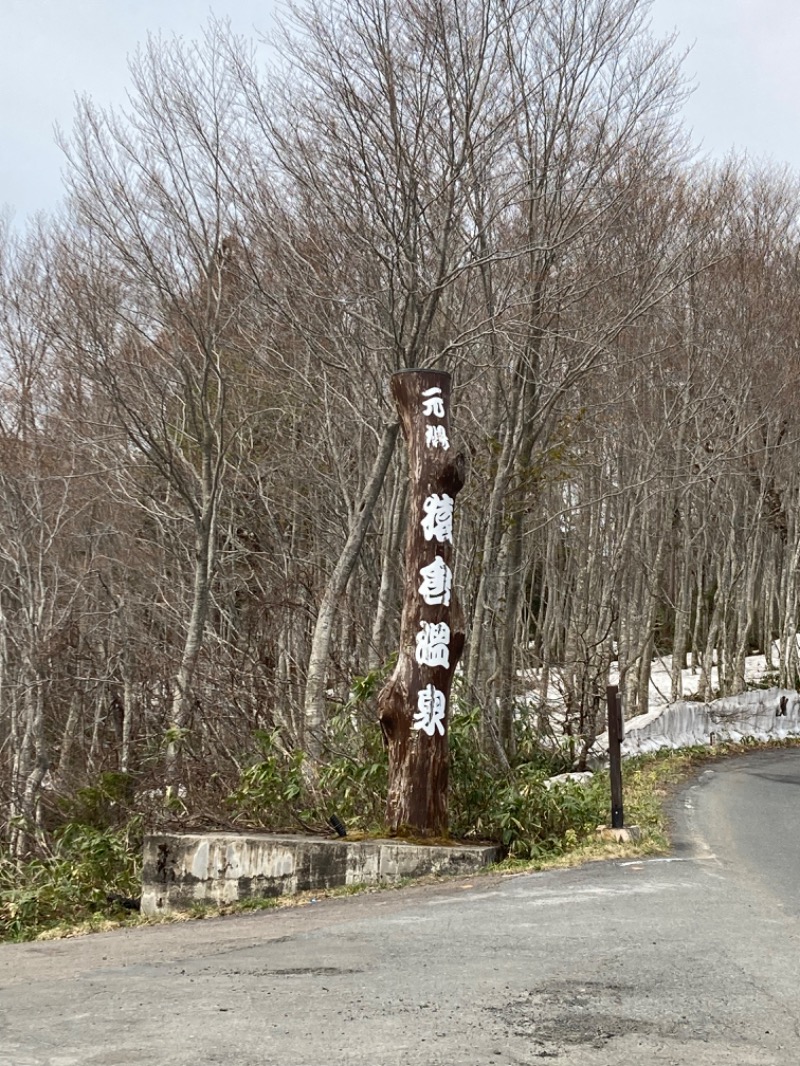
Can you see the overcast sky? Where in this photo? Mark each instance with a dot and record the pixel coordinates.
(743, 58)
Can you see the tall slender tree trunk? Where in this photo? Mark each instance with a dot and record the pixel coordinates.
(314, 701)
(392, 536)
(192, 646)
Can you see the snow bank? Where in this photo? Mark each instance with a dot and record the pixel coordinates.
(683, 724)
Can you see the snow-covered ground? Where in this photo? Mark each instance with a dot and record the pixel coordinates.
(753, 714)
(688, 722)
(756, 670)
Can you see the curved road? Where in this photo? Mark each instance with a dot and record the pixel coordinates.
(748, 809)
(693, 959)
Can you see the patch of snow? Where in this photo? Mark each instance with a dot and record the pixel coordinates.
(579, 778)
(751, 715)
(756, 670)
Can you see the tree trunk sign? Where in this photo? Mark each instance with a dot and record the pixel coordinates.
(414, 705)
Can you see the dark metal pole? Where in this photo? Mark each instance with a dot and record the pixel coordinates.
(616, 730)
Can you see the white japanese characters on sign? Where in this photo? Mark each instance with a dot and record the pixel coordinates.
(436, 437)
(437, 580)
(433, 638)
(430, 714)
(438, 521)
(432, 403)
(433, 644)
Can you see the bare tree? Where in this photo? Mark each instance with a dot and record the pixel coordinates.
(152, 285)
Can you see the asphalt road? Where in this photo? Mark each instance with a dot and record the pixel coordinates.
(693, 959)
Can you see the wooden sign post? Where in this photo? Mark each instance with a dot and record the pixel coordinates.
(414, 705)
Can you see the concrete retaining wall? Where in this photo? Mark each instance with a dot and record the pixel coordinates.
(215, 868)
(734, 718)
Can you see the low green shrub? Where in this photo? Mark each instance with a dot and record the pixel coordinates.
(280, 790)
(84, 867)
(272, 790)
(514, 807)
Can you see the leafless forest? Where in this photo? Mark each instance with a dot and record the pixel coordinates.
(203, 490)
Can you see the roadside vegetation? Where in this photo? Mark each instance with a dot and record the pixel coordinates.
(86, 877)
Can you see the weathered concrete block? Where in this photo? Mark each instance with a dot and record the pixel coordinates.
(215, 868)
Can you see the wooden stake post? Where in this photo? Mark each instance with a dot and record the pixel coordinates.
(616, 732)
(414, 705)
